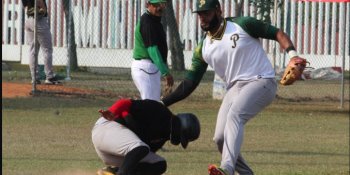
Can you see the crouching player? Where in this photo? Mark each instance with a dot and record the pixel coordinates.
(127, 136)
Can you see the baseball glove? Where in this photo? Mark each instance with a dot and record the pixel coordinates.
(293, 71)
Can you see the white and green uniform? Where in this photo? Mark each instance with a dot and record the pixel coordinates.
(150, 56)
(237, 56)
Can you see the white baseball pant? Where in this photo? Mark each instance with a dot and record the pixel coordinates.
(147, 79)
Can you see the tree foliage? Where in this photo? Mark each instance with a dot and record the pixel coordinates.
(265, 7)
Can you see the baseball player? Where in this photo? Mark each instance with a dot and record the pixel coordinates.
(130, 132)
(150, 52)
(231, 46)
(43, 40)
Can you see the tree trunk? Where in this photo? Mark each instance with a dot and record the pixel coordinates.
(175, 45)
(239, 8)
(72, 47)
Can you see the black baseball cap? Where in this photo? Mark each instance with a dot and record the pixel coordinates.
(203, 5)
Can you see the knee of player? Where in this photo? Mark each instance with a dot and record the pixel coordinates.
(219, 141)
(156, 168)
(161, 166)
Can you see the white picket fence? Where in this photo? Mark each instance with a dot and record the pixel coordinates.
(104, 29)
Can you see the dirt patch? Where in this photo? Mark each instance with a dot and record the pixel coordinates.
(76, 172)
(12, 90)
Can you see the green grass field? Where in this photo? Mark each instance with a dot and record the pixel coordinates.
(50, 135)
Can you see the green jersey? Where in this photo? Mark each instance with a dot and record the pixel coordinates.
(150, 42)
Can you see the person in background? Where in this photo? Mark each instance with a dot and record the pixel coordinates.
(150, 52)
(44, 41)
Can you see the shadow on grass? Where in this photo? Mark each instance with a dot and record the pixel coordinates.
(298, 153)
(51, 159)
(50, 102)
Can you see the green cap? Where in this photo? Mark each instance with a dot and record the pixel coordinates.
(203, 5)
(156, 1)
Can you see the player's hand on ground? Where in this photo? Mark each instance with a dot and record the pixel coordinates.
(106, 114)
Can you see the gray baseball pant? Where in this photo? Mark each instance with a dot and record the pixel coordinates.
(44, 42)
(241, 103)
(112, 141)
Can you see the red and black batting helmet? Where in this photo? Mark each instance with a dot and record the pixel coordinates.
(185, 128)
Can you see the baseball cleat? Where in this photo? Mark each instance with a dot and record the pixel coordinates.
(52, 81)
(214, 170)
(108, 171)
(36, 81)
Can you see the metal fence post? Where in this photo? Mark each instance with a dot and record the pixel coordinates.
(274, 43)
(343, 63)
(68, 41)
(35, 47)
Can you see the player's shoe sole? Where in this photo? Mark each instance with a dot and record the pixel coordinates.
(52, 81)
(103, 172)
(36, 82)
(214, 170)
(108, 171)
(48, 82)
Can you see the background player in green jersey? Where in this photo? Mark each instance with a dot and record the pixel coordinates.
(150, 52)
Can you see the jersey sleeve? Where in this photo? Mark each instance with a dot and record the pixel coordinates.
(120, 108)
(256, 28)
(156, 57)
(198, 65)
